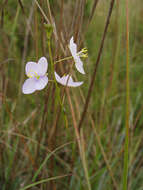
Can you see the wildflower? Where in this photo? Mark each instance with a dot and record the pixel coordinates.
(37, 76)
(67, 81)
(76, 55)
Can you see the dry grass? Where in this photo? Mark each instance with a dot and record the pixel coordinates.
(40, 138)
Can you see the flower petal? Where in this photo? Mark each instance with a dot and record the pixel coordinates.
(62, 80)
(73, 47)
(67, 81)
(75, 84)
(29, 86)
(79, 64)
(41, 82)
(43, 66)
(31, 69)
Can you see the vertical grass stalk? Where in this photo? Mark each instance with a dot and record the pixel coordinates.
(96, 65)
(57, 88)
(126, 148)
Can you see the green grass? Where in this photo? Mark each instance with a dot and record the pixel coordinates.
(39, 139)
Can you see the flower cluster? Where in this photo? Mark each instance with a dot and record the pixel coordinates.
(37, 72)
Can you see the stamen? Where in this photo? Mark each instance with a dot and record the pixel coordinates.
(83, 53)
(29, 75)
(84, 50)
(35, 75)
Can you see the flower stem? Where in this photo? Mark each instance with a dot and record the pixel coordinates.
(58, 89)
(64, 59)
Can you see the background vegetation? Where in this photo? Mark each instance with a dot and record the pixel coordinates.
(40, 143)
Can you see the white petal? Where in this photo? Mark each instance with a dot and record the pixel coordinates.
(31, 69)
(64, 80)
(41, 82)
(75, 84)
(29, 86)
(67, 81)
(79, 64)
(42, 66)
(57, 77)
(73, 47)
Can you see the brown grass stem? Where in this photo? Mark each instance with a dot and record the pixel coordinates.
(96, 65)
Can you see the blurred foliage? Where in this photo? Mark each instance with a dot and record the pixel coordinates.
(22, 115)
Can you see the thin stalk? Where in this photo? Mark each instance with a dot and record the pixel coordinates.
(97, 136)
(84, 160)
(64, 59)
(14, 28)
(44, 181)
(58, 90)
(126, 151)
(46, 159)
(41, 10)
(26, 38)
(96, 66)
(80, 143)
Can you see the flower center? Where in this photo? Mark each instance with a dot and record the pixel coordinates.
(32, 74)
(37, 76)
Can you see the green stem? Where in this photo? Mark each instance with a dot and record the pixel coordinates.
(43, 181)
(64, 59)
(58, 89)
(126, 152)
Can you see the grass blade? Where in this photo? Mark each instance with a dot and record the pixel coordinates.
(126, 153)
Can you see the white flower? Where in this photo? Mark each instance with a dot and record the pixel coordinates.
(76, 56)
(37, 76)
(67, 81)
